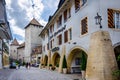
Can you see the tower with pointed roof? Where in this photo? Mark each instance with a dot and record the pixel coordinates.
(13, 49)
(32, 38)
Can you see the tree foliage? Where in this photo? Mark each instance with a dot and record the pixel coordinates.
(64, 65)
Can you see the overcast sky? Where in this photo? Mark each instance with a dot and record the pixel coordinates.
(21, 12)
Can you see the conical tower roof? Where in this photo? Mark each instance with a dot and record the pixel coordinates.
(15, 42)
(33, 22)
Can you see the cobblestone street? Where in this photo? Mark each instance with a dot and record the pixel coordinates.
(35, 74)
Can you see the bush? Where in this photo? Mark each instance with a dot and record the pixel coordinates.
(83, 61)
(53, 68)
(57, 65)
(64, 65)
(50, 65)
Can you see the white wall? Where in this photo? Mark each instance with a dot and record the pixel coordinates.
(89, 10)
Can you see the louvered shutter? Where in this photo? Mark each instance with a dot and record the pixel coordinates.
(84, 26)
(111, 18)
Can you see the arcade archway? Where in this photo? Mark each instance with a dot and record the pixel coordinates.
(76, 59)
(55, 59)
(117, 53)
(46, 60)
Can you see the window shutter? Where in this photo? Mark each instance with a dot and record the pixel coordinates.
(65, 36)
(84, 26)
(77, 4)
(110, 19)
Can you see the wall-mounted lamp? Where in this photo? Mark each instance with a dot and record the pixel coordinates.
(98, 19)
(74, 43)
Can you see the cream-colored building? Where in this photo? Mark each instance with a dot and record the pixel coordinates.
(71, 30)
(13, 49)
(5, 32)
(36, 55)
(21, 52)
(32, 38)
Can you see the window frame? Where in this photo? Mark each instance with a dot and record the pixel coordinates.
(84, 27)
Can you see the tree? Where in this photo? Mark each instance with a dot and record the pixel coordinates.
(64, 65)
(83, 61)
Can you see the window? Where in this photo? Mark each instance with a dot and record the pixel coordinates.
(77, 61)
(59, 21)
(117, 20)
(51, 28)
(43, 48)
(77, 5)
(113, 18)
(70, 34)
(84, 28)
(60, 39)
(47, 46)
(65, 15)
(66, 36)
(69, 12)
(51, 44)
(83, 2)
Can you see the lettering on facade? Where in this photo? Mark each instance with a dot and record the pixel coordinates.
(55, 49)
(60, 30)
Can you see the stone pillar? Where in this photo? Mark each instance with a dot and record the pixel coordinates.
(61, 59)
(49, 58)
(101, 60)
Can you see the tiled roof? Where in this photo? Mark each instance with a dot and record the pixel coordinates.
(15, 42)
(33, 22)
(21, 45)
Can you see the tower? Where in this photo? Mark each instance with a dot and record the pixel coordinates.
(32, 38)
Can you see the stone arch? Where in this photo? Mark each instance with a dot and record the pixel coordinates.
(117, 53)
(74, 59)
(45, 60)
(55, 59)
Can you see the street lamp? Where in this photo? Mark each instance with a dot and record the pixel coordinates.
(98, 19)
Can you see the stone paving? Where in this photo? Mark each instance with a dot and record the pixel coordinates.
(38, 74)
(5, 73)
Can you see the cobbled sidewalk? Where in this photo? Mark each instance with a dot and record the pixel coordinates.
(36, 74)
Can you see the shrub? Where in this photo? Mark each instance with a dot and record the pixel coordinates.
(50, 64)
(83, 61)
(53, 68)
(57, 65)
(64, 65)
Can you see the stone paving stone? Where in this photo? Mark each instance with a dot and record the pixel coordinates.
(37, 74)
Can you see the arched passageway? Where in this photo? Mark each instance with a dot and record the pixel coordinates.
(76, 61)
(117, 53)
(56, 59)
(46, 60)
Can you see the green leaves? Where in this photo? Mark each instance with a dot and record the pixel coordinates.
(64, 65)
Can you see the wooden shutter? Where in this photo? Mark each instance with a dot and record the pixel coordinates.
(65, 15)
(77, 4)
(111, 18)
(65, 36)
(84, 26)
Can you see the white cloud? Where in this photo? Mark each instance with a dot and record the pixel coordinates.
(26, 12)
(17, 30)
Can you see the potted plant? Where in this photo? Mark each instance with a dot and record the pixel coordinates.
(42, 65)
(57, 65)
(50, 66)
(83, 65)
(64, 65)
